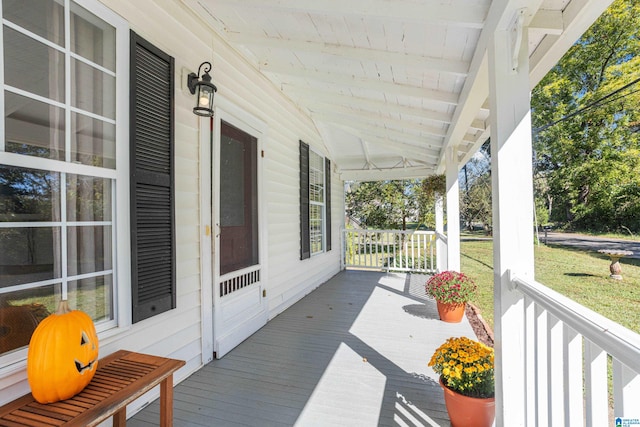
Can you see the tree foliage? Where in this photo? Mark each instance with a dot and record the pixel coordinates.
(475, 190)
(586, 126)
(386, 204)
(430, 188)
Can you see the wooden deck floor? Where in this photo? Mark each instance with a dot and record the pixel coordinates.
(352, 353)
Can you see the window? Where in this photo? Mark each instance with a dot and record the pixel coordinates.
(315, 202)
(60, 173)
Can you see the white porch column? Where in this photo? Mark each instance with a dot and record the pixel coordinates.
(441, 245)
(511, 171)
(453, 210)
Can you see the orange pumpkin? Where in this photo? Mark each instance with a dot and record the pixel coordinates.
(62, 356)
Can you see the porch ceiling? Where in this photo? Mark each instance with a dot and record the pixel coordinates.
(391, 84)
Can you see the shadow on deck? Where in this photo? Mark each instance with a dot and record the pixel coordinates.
(352, 353)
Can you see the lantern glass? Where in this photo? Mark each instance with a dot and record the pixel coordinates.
(204, 101)
(204, 90)
(204, 96)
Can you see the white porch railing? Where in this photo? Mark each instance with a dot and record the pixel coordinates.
(390, 250)
(577, 362)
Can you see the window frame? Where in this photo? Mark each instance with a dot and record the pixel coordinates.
(323, 214)
(120, 250)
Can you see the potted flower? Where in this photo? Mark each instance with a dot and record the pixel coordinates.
(466, 376)
(451, 290)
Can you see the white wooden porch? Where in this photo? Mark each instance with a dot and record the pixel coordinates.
(352, 353)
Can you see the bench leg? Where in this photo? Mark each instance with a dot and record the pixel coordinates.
(120, 418)
(166, 402)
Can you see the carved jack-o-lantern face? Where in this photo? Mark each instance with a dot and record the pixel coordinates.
(63, 355)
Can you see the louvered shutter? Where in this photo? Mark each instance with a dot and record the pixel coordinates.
(327, 201)
(305, 248)
(152, 184)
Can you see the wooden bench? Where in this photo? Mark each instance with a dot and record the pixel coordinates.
(121, 378)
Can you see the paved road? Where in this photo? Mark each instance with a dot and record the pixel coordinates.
(591, 243)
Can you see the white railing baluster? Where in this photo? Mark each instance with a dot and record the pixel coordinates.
(401, 255)
(573, 397)
(530, 360)
(383, 250)
(595, 382)
(395, 250)
(413, 251)
(372, 251)
(377, 251)
(556, 370)
(626, 390)
(541, 364)
(369, 248)
(363, 248)
(431, 245)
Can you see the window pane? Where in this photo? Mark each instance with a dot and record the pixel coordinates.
(315, 192)
(93, 296)
(92, 38)
(33, 128)
(88, 249)
(42, 17)
(20, 313)
(32, 66)
(93, 142)
(92, 90)
(88, 198)
(29, 255)
(315, 227)
(28, 195)
(316, 177)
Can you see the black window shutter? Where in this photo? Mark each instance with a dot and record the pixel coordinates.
(327, 201)
(305, 249)
(153, 265)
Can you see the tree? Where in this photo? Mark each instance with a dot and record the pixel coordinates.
(475, 189)
(585, 116)
(383, 204)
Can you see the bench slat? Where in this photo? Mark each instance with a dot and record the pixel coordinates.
(35, 419)
(59, 411)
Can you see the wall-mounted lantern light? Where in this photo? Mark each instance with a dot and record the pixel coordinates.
(205, 90)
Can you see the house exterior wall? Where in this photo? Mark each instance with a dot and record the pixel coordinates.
(178, 333)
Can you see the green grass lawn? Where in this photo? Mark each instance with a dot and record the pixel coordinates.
(581, 276)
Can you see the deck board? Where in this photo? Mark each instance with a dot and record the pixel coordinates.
(353, 352)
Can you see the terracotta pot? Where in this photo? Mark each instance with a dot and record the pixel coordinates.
(452, 313)
(465, 411)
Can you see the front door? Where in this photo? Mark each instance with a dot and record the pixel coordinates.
(239, 307)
